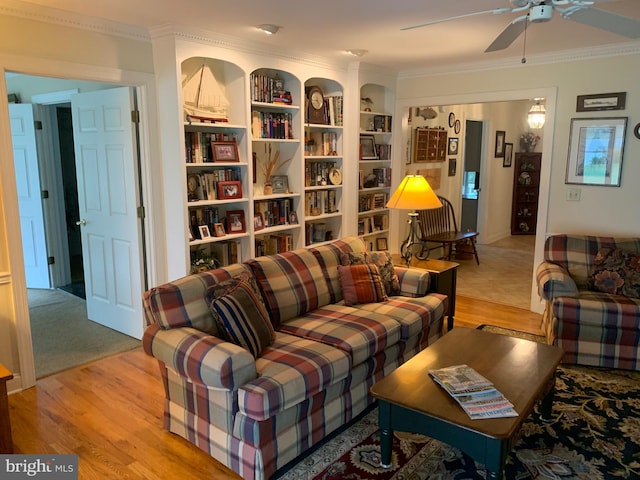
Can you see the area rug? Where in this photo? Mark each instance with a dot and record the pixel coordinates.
(512, 333)
(62, 335)
(595, 435)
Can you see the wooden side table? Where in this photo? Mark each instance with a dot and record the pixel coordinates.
(6, 441)
(443, 279)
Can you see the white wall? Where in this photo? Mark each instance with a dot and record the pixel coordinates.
(607, 210)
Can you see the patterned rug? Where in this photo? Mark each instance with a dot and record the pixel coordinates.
(595, 435)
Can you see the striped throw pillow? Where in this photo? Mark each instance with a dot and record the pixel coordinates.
(362, 284)
(243, 316)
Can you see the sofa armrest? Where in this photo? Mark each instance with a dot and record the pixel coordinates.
(554, 281)
(200, 357)
(414, 282)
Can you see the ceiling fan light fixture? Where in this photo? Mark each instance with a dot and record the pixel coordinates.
(357, 52)
(537, 115)
(268, 28)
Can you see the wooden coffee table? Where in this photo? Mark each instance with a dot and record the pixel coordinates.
(410, 400)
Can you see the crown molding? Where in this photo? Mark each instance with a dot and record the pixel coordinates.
(209, 37)
(576, 55)
(65, 18)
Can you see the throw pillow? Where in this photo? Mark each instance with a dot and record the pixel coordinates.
(361, 284)
(241, 315)
(384, 263)
(616, 271)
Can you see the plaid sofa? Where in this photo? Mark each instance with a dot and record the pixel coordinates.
(593, 328)
(257, 414)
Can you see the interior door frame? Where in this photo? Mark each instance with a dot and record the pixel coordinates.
(550, 96)
(145, 89)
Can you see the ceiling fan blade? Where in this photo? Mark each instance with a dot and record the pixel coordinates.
(508, 36)
(495, 11)
(611, 22)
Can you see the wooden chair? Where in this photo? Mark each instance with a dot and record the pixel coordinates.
(438, 226)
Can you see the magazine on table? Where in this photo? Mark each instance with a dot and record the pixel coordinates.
(475, 394)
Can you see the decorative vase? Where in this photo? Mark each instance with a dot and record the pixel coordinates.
(268, 189)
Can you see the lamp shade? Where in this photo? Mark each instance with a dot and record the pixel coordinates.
(414, 193)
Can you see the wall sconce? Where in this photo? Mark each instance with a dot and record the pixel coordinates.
(537, 114)
(268, 28)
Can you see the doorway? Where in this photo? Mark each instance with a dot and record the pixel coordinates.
(471, 175)
(60, 194)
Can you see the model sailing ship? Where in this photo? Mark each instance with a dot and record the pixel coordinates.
(204, 100)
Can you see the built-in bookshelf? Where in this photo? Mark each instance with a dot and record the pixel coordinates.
(217, 177)
(374, 165)
(275, 139)
(323, 161)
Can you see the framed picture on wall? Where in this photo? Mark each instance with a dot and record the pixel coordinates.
(453, 146)
(500, 136)
(508, 155)
(595, 151)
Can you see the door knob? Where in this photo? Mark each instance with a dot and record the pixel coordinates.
(81, 223)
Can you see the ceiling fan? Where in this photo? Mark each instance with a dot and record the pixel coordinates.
(539, 11)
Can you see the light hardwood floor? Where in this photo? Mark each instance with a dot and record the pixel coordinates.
(109, 412)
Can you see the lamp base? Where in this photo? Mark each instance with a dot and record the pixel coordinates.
(412, 240)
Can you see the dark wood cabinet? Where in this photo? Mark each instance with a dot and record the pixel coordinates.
(526, 187)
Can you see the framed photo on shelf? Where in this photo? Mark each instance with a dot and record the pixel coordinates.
(218, 230)
(596, 146)
(499, 151)
(225, 151)
(258, 221)
(508, 155)
(453, 146)
(601, 101)
(280, 183)
(230, 190)
(235, 221)
(204, 231)
(293, 218)
(381, 244)
(368, 147)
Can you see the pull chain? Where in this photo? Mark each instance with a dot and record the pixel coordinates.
(524, 44)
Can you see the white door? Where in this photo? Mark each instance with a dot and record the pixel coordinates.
(107, 196)
(25, 157)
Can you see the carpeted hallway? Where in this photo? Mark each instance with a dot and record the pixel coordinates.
(63, 337)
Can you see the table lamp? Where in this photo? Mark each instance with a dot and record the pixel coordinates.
(413, 193)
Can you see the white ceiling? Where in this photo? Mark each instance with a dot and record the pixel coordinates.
(327, 28)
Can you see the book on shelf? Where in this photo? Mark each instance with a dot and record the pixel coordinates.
(477, 396)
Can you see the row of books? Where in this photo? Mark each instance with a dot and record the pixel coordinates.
(317, 173)
(372, 201)
(477, 396)
(271, 125)
(272, 244)
(227, 253)
(207, 188)
(321, 144)
(275, 212)
(384, 151)
(198, 145)
(372, 224)
(268, 89)
(208, 216)
(320, 202)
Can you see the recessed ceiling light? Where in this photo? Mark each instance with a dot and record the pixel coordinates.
(357, 52)
(268, 28)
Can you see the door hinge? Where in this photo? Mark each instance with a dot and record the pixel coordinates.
(37, 124)
(51, 260)
(141, 211)
(135, 116)
(45, 194)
